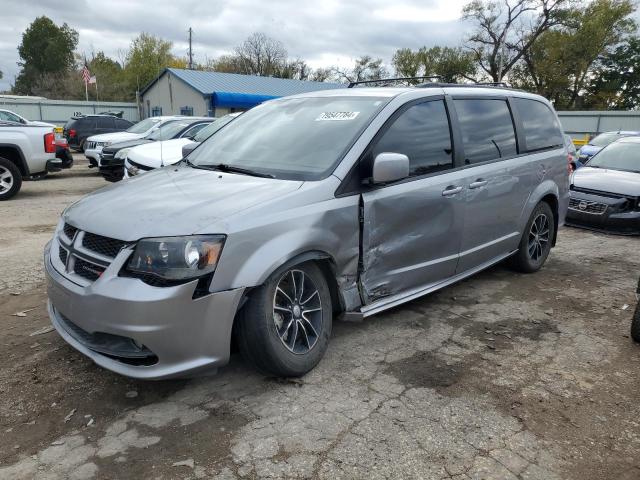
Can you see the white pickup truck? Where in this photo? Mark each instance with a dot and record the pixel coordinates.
(27, 152)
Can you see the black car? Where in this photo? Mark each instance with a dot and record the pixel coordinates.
(112, 157)
(77, 129)
(605, 193)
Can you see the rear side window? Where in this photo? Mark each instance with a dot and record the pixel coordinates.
(487, 130)
(88, 123)
(541, 129)
(124, 124)
(106, 122)
(421, 133)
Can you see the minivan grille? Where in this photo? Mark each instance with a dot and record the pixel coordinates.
(109, 247)
(86, 255)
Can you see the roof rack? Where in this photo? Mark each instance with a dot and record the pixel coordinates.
(431, 83)
(387, 81)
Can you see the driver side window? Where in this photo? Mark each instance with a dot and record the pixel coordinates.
(421, 133)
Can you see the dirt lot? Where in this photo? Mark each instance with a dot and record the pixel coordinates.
(502, 376)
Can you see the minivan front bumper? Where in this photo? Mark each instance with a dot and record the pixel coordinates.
(142, 331)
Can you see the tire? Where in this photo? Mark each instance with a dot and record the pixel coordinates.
(10, 179)
(267, 323)
(534, 247)
(635, 324)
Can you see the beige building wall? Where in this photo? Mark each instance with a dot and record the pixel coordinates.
(171, 94)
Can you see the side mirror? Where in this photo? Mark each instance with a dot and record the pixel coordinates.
(188, 148)
(390, 167)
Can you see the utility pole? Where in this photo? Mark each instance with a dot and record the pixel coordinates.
(190, 50)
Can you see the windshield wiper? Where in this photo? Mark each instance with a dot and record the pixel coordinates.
(225, 167)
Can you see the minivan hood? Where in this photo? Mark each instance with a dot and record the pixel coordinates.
(115, 137)
(170, 151)
(612, 181)
(171, 201)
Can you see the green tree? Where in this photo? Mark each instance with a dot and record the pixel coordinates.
(560, 64)
(406, 63)
(616, 80)
(110, 79)
(46, 49)
(449, 64)
(147, 57)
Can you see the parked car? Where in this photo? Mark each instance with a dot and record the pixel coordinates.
(112, 156)
(337, 203)
(572, 153)
(168, 152)
(605, 193)
(26, 152)
(9, 116)
(598, 142)
(95, 143)
(79, 128)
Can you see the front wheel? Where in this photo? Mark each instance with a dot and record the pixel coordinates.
(10, 179)
(535, 243)
(285, 326)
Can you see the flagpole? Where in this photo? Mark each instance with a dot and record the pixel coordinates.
(96, 82)
(86, 91)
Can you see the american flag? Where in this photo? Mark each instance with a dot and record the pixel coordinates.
(85, 74)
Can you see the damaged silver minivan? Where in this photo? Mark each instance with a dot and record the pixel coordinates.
(332, 204)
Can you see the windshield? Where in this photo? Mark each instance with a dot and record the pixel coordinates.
(291, 138)
(209, 130)
(605, 139)
(618, 156)
(167, 130)
(143, 126)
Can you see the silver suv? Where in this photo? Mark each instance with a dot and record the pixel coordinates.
(341, 203)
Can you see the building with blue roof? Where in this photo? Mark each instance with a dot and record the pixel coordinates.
(194, 92)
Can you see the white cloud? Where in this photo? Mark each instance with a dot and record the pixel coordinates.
(323, 33)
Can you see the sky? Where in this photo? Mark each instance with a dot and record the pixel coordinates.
(322, 32)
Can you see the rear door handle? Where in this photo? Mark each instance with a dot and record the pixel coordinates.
(478, 183)
(449, 191)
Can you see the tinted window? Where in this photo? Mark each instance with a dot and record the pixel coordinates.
(618, 156)
(193, 130)
(421, 133)
(541, 129)
(487, 129)
(106, 122)
(88, 123)
(120, 123)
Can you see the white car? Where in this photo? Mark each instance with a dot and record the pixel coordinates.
(94, 144)
(142, 158)
(10, 116)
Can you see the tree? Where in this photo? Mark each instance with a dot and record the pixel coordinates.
(616, 80)
(560, 64)
(147, 57)
(505, 31)
(260, 55)
(451, 65)
(46, 49)
(110, 78)
(365, 68)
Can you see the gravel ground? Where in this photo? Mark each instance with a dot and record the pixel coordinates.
(502, 376)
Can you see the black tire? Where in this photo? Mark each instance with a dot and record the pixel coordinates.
(635, 324)
(524, 261)
(10, 179)
(259, 336)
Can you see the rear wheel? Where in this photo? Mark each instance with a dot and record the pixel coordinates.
(285, 327)
(535, 243)
(10, 179)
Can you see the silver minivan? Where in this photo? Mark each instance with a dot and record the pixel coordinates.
(310, 208)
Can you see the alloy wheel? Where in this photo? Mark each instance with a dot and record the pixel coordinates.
(6, 180)
(538, 237)
(297, 312)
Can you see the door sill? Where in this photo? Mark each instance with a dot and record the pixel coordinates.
(400, 298)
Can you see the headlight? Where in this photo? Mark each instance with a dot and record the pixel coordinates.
(176, 258)
(122, 154)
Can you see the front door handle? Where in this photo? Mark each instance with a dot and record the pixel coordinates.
(449, 191)
(478, 183)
